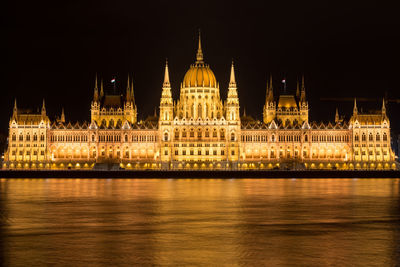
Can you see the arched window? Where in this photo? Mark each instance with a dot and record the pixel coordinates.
(14, 137)
(356, 138)
(370, 137)
(273, 138)
(384, 137)
(21, 137)
(41, 137)
(165, 136)
(222, 134)
(364, 137)
(126, 138)
(92, 137)
(378, 137)
(232, 136)
(199, 111)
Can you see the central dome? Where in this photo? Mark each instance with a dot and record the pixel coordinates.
(199, 75)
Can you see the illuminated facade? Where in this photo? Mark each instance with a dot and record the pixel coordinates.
(199, 131)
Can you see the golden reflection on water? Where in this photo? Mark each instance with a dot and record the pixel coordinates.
(103, 222)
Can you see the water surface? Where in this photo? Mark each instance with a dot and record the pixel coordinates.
(254, 222)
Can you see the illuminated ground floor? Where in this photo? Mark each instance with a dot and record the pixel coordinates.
(206, 165)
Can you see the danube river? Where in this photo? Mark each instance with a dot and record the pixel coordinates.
(206, 222)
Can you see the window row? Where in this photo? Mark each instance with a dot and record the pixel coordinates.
(27, 137)
(370, 137)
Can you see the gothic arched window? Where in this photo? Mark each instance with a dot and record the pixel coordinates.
(364, 137)
(384, 137)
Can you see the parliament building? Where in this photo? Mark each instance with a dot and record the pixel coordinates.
(199, 131)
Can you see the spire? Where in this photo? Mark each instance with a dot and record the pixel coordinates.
(270, 90)
(303, 90)
(270, 82)
(62, 119)
(101, 89)
(96, 90)
(298, 90)
(355, 111)
(15, 109)
(232, 81)
(166, 83)
(244, 112)
(199, 55)
(128, 91)
(43, 109)
(337, 116)
(383, 107)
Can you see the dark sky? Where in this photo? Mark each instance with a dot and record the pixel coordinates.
(52, 50)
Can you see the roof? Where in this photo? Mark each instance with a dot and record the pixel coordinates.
(30, 119)
(112, 101)
(287, 101)
(369, 119)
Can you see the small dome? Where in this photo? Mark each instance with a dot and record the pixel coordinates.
(199, 75)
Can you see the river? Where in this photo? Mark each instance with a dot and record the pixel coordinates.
(202, 222)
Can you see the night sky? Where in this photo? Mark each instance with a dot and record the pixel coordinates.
(52, 50)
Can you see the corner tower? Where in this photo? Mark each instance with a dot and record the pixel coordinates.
(232, 102)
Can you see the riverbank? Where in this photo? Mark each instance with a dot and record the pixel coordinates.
(198, 174)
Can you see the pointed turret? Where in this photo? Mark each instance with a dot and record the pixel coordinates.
(15, 109)
(62, 119)
(270, 89)
(383, 107)
(355, 110)
(297, 90)
(337, 116)
(232, 80)
(43, 108)
(303, 91)
(101, 89)
(96, 90)
(199, 55)
(166, 83)
(128, 91)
